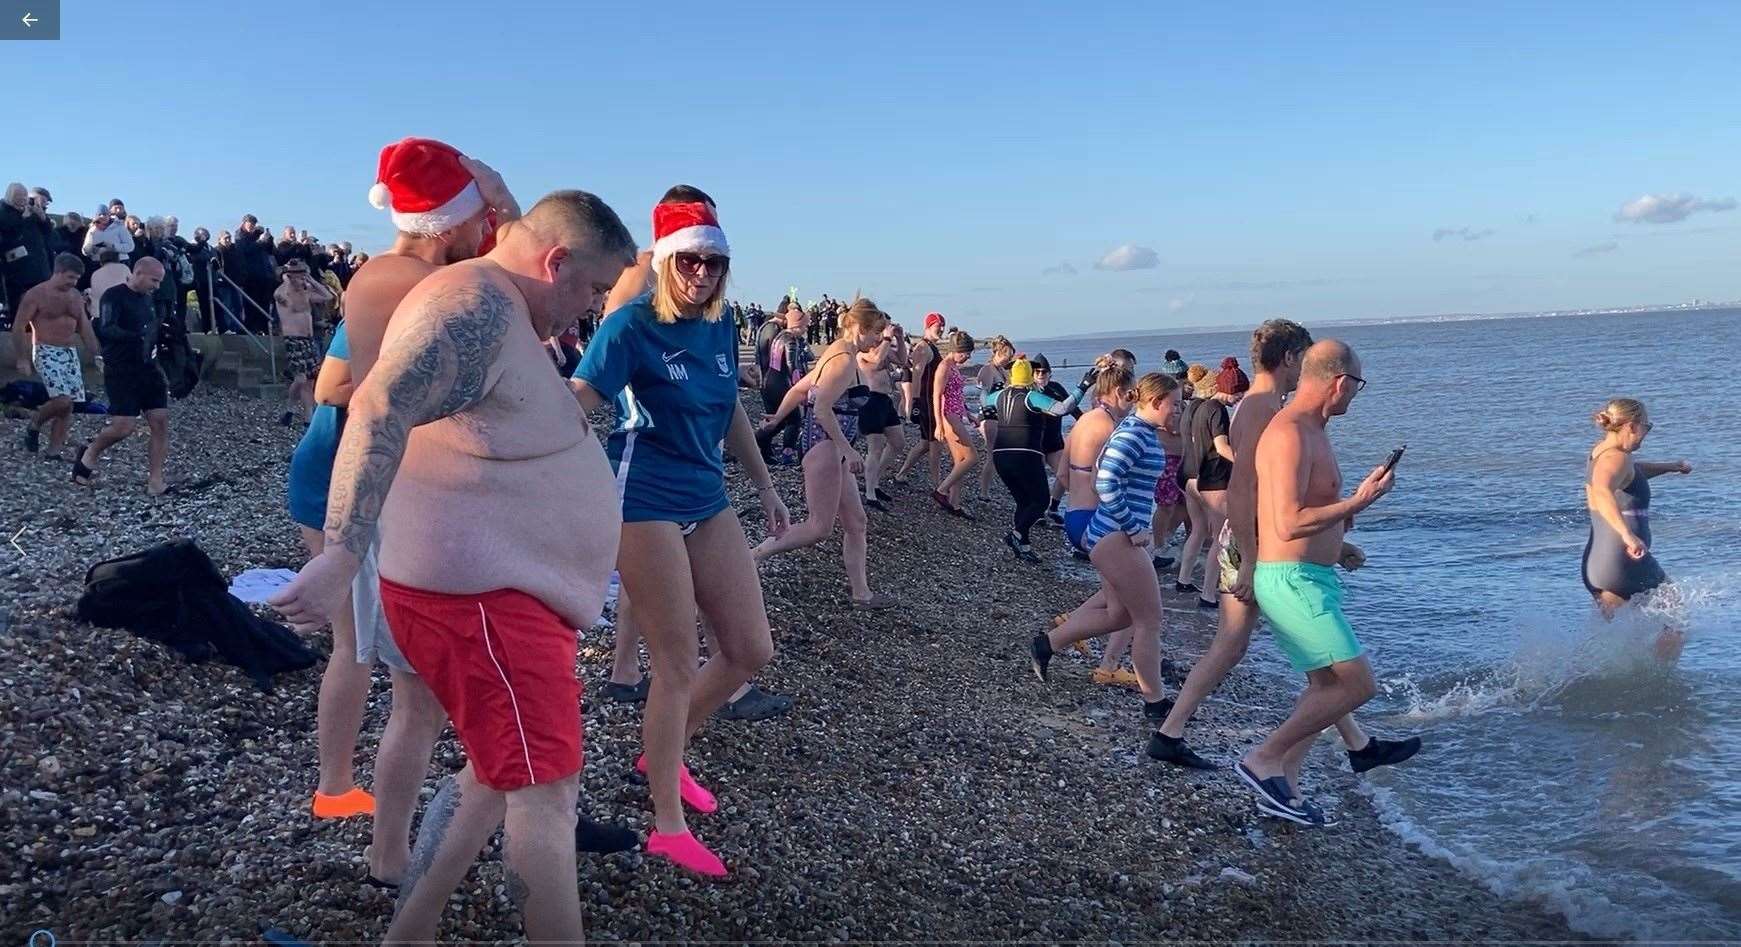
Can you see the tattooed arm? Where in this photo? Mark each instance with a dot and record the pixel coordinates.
(436, 366)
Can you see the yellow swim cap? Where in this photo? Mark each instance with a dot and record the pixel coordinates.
(1021, 373)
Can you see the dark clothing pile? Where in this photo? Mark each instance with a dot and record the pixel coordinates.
(174, 595)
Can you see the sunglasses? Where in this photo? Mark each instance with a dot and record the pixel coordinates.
(695, 263)
(1359, 383)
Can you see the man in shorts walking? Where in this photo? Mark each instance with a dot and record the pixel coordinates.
(499, 529)
(1278, 348)
(1301, 517)
(297, 296)
(53, 313)
(127, 328)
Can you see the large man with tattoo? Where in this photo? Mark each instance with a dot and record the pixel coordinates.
(498, 531)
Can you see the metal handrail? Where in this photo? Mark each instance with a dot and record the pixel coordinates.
(211, 290)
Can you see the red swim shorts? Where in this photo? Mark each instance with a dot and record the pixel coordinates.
(502, 665)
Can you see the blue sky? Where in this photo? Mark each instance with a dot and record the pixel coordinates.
(1266, 159)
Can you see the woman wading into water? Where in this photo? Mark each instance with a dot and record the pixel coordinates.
(1618, 564)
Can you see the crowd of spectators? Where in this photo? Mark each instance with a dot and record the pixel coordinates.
(221, 285)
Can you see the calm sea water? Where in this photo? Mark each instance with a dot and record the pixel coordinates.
(1562, 763)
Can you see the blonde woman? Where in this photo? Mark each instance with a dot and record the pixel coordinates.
(836, 395)
(992, 378)
(949, 408)
(1118, 537)
(669, 361)
(1618, 564)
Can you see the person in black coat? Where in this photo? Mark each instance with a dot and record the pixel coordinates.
(257, 273)
(24, 256)
(203, 256)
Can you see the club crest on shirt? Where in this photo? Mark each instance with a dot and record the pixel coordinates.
(724, 365)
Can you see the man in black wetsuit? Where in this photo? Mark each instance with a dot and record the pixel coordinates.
(126, 327)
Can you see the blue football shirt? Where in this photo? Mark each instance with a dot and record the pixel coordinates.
(675, 389)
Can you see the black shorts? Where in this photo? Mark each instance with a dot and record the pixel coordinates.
(878, 414)
(136, 391)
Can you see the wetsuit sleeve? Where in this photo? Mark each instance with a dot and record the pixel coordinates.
(114, 322)
(1046, 404)
(1120, 454)
(609, 357)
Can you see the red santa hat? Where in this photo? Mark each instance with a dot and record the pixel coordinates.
(686, 228)
(426, 187)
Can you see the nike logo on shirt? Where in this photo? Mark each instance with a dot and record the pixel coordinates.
(669, 357)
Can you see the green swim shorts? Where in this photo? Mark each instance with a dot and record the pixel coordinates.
(1303, 603)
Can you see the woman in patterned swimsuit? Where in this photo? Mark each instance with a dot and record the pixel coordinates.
(831, 465)
(954, 426)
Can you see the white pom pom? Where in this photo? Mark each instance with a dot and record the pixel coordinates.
(380, 197)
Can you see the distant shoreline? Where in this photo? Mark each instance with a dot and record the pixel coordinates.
(1448, 317)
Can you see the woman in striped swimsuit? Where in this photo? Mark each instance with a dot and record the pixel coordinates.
(1122, 530)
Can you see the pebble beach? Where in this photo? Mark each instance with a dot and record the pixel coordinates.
(924, 787)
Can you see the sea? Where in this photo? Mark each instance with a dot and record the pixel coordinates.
(1564, 765)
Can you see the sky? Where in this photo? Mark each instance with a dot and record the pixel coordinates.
(1035, 169)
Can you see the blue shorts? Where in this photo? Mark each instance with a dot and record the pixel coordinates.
(1075, 524)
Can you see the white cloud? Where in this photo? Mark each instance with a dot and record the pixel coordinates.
(1466, 233)
(1178, 304)
(1668, 208)
(1597, 249)
(1129, 257)
(1062, 269)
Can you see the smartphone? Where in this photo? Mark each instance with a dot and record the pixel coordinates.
(1395, 455)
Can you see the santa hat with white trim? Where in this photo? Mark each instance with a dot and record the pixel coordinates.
(686, 228)
(422, 181)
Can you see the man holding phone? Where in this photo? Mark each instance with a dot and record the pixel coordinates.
(1278, 349)
(1301, 517)
(24, 261)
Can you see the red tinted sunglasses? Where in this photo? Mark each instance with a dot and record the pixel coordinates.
(694, 263)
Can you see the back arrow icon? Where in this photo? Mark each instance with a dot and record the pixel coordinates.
(29, 20)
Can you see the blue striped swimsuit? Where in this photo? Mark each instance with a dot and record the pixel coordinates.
(1124, 482)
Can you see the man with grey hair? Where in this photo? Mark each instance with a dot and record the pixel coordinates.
(1301, 519)
(24, 260)
(187, 274)
(177, 273)
(462, 439)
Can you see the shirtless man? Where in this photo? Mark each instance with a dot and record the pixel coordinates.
(1301, 517)
(499, 530)
(426, 241)
(1277, 348)
(54, 314)
(296, 298)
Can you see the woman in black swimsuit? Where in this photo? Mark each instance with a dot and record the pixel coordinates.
(1617, 560)
(837, 393)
